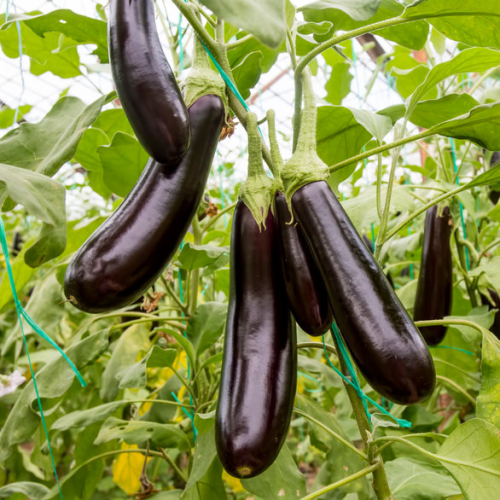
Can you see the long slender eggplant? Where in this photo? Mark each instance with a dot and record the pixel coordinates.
(127, 253)
(369, 245)
(495, 327)
(381, 337)
(259, 370)
(435, 281)
(304, 285)
(145, 83)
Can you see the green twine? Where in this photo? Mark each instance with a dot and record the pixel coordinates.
(467, 259)
(189, 415)
(355, 382)
(21, 313)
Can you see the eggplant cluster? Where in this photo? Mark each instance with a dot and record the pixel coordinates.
(129, 251)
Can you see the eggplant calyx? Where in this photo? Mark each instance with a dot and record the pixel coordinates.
(258, 190)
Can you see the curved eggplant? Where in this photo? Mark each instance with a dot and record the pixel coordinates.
(383, 340)
(305, 289)
(435, 281)
(259, 369)
(145, 83)
(128, 252)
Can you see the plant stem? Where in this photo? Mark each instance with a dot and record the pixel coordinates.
(177, 300)
(342, 482)
(173, 322)
(216, 217)
(456, 387)
(481, 80)
(380, 484)
(240, 41)
(317, 345)
(380, 149)
(452, 322)
(173, 465)
(488, 248)
(331, 432)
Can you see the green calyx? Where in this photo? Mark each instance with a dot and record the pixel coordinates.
(258, 190)
(305, 166)
(202, 79)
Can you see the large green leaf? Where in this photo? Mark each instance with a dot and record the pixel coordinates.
(488, 401)
(45, 146)
(263, 18)
(85, 418)
(132, 342)
(81, 29)
(53, 380)
(206, 325)
(247, 73)
(347, 16)
(470, 60)
(475, 467)
(479, 126)
(199, 256)
(338, 85)
(140, 431)
(44, 198)
(473, 22)
(53, 52)
(412, 480)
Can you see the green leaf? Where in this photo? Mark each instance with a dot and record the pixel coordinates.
(53, 380)
(112, 121)
(478, 126)
(473, 22)
(470, 60)
(407, 80)
(491, 176)
(339, 13)
(476, 468)
(135, 376)
(435, 111)
(133, 341)
(34, 491)
(206, 325)
(263, 18)
(421, 419)
(53, 52)
(43, 198)
(412, 480)
(488, 401)
(198, 256)
(140, 431)
(85, 418)
(338, 85)
(122, 162)
(282, 480)
(81, 29)
(45, 146)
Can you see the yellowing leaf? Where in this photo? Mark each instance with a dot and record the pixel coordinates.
(127, 469)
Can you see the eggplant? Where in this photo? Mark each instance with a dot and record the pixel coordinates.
(435, 281)
(145, 83)
(495, 327)
(129, 251)
(369, 245)
(305, 289)
(381, 337)
(259, 368)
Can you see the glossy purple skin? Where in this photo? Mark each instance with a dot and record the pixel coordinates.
(304, 285)
(495, 327)
(435, 281)
(145, 83)
(128, 252)
(382, 339)
(259, 369)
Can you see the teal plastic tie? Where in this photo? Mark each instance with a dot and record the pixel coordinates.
(189, 415)
(355, 383)
(467, 259)
(21, 313)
